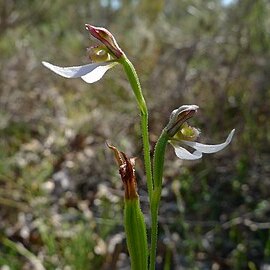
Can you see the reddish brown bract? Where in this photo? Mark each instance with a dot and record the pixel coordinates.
(127, 173)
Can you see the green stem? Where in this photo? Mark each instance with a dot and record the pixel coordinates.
(159, 154)
(157, 176)
(154, 227)
(153, 185)
(135, 84)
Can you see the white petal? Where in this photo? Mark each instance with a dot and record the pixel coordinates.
(204, 148)
(90, 73)
(97, 73)
(183, 153)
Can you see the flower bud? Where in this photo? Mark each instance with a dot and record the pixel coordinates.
(133, 217)
(105, 37)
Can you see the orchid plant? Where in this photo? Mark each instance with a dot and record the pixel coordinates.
(177, 132)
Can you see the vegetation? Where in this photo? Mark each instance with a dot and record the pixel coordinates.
(60, 193)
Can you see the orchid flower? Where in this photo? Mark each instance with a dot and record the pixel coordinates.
(103, 58)
(183, 134)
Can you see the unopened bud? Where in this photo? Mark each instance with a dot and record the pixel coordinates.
(127, 173)
(133, 217)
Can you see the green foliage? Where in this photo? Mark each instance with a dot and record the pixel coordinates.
(75, 249)
(10, 258)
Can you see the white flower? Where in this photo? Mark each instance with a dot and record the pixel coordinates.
(103, 57)
(180, 133)
(200, 148)
(89, 73)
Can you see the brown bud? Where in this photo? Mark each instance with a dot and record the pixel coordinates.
(127, 172)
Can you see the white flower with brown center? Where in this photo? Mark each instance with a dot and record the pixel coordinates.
(103, 58)
(181, 134)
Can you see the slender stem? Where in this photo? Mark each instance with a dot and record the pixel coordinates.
(147, 159)
(153, 185)
(159, 154)
(157, 174)
(154, 227)
(135, 84)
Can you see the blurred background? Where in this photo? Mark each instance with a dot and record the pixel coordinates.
(61, 198)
